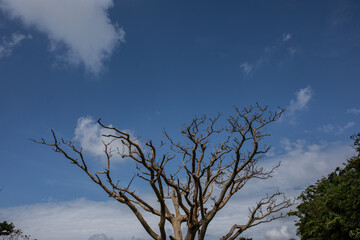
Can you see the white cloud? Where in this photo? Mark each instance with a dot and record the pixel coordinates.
(79, 219)
(278, 234)
(353, 111)
(246, 68)
(337, 130)
(83, 219)
(286, 37)
(302, 164)
(80, 30)
(89, 135)
(8, 44)
(303, 97)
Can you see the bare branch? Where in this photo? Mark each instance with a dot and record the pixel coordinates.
(204, 170)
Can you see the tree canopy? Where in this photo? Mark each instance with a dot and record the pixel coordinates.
(329, 208)
(6, 228)
(212, 164)
(9, 232)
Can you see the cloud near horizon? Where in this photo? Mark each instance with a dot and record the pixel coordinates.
(302, 164)
(278, 234)
(78, 219)
(101, 236)
(80, 31)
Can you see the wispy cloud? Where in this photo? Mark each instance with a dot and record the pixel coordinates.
(9, 43)
(89, 134)
(270, 53)
(292, 51)
(299, 103)
(303, 97)
(335, 129)
(286, 37)
(80, 31)
(246, 68)
(353, 111)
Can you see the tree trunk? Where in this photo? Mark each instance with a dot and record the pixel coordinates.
(176, 224)
(202, 232)
(190, 235)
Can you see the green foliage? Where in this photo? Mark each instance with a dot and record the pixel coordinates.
(8, 232)
(330, 207)
(6, 228)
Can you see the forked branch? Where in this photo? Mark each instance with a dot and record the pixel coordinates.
(205, 177)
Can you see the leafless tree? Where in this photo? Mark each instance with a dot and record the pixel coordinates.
(208, 176)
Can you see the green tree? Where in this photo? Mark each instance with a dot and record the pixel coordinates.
(329, 209)
(9, 232)
(6, 228)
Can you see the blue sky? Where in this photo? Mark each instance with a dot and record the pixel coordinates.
(148, 65)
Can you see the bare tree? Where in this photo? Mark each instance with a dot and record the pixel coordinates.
(208, 176)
